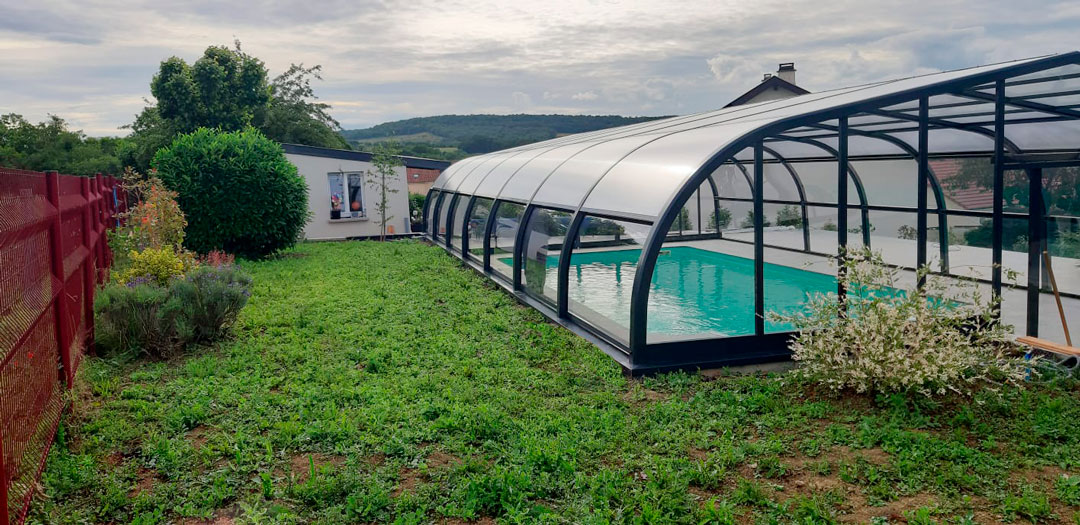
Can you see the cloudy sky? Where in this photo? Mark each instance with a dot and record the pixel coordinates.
(90, 61)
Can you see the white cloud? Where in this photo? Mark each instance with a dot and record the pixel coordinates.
(396, 59)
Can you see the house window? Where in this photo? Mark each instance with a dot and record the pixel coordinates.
(346, 195)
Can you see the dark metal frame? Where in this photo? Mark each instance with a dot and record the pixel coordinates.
(638, 355)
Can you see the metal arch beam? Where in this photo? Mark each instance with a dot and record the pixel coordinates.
(450, 221)
(802, 193)
(465, 227)
(489, 229)
(1034, 106)
(973, 128)
(435, 213)
(746, 175)
(935, 183)
(855, 179)
(428, 208)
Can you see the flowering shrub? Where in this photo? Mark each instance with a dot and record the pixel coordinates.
(943, 337)
(154, 265)
(145, 316)
(155, 221)
(217, 259)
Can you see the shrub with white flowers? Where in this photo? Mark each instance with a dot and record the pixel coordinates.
(885, 337)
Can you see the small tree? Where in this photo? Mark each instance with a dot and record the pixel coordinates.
(721, 218)
(748, 222)
(682, 222)
(789, 216)
(382, 180)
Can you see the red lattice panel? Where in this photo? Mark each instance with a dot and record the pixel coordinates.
(52, 253)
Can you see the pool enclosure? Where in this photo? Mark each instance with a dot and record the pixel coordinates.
(667, 242)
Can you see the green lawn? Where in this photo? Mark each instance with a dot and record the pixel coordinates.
(382, 383)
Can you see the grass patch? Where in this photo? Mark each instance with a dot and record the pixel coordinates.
(381, 383)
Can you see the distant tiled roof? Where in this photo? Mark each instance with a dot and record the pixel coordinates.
(969, 197)
(421, 175)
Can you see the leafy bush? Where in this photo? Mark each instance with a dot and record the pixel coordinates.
(160, 319)
(154, 265)
(210, 299)
(238, 190)
(943, 337)
(416, 208)
(155, 221)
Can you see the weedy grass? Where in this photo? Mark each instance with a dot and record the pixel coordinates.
(383, 383)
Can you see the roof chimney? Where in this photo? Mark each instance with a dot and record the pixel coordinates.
(767, 77)
(786, 72)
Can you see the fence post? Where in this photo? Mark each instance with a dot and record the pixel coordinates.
(99, 230)
(89, 269)
(56, 263)
(4, 520)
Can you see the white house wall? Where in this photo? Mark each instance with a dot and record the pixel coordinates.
(320, 226)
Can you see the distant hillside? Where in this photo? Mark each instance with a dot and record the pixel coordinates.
(452, 137)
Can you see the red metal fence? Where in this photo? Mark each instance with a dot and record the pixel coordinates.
(52, 255)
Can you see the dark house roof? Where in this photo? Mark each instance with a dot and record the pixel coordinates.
(363, 156)
(773, 82)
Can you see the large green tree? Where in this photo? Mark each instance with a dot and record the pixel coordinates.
(238, 191)
(228, 89)
(50, 145)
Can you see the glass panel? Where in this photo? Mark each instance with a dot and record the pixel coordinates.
(497, 177)
(444, 210)
(478, 227)
(895, 235)
(731, 182)
(459, 220)
(700, 289)
(464, 167)
(528, 179)
(544, 239)
(890, 182)
(503, 235)
(819, 181)
(602, 268)
(644, 180)
(472, 180)
(790, 279)
(778, 183)
(430, 202)
(736, 219)
(1063, 245)
(1045, 135)
(569, 183)
(784, 226)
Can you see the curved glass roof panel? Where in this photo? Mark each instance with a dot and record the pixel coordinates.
(454, 170)
(469, 182)
(640, 184)
(495, 179)
(532, 174)
(571, 182)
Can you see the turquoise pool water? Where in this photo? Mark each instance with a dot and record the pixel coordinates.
(694, 291)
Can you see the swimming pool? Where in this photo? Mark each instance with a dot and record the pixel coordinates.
(694, 292)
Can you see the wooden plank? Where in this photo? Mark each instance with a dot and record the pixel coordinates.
(1049, 346)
